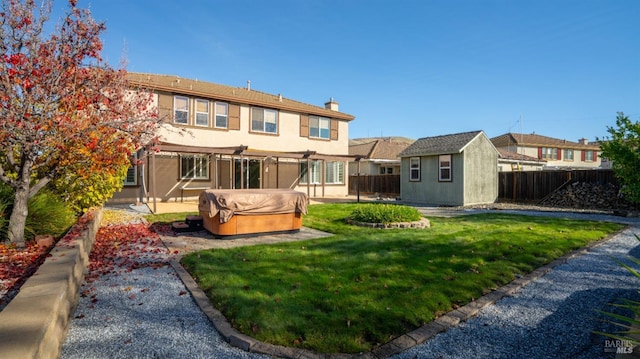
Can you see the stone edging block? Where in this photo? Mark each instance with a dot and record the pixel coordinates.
(34, 324)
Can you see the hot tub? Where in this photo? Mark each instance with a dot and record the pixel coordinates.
(243, 211)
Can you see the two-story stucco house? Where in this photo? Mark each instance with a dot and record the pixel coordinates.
(557, 153)
(218, 136)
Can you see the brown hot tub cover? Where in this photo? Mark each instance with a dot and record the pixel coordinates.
(228, 202)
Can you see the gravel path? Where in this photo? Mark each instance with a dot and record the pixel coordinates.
(147, 313)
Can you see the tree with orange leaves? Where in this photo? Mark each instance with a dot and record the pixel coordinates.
(62, 109)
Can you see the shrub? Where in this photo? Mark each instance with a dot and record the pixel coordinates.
(48, 214)
(384, 213)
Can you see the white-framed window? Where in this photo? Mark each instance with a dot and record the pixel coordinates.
(222, 115)
(549, 153)
(444, 168)
(567, 154)
(414, 169)
(386, 170)
(334, 172)
(181, 110)
(264, 120)
(313, 171)
(194, 166)
(131, 178)
(202, 112)
(589, 156)
(319, 127)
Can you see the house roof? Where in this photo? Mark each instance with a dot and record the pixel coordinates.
(378, 149)
(240, 95)
(437, 145)
(535, 140)
(512, 156)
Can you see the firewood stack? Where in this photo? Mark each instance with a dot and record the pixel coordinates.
(585, 195)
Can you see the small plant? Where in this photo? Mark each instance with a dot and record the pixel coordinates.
(384, 213)
(631, 330)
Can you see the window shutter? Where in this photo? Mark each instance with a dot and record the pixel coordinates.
(334, 129)
(539, 153)
(583, 155)
(304, 126)
(559, 154)
(234, 117)
(165, 106)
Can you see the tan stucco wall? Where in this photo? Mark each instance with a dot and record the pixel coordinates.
(577, 158)
(288, 138)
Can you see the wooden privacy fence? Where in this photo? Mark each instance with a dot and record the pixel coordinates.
(388, 185)
(533, 186)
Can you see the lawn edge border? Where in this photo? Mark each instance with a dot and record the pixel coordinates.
(35, 323)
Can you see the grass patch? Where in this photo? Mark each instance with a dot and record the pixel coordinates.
(363, 287)
(168, 218)
(384, 213)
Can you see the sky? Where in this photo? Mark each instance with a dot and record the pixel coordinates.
(559, 68)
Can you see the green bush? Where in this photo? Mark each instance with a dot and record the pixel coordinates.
(48, 214)
(384, 213)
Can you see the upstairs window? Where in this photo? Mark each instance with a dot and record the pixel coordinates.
(222, 115)
(568, 154)
(181, 110)
(264, 120)
(589, 155)
(548, 153)
(319, 127)
(202, 113)
(414, 169)
(194, 167)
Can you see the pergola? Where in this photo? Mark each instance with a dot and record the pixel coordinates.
(240, 152)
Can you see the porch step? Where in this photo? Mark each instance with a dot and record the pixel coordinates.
(180, 227)
(190, 224)
(194, 222)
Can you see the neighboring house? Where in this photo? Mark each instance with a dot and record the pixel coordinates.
(453, 170)
(511, 162)
(219, 136)
(376, 156)
(559, 154)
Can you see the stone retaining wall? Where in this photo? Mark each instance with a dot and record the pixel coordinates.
(35, 322)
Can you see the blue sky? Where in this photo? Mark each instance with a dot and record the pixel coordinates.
(403, 68)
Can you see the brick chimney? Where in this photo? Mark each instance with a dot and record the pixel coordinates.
(583, 141)
(331, 105)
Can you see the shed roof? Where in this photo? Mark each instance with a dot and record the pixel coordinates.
(437, 145)
(240, 95)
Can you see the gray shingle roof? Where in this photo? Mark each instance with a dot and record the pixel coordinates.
(437, 145)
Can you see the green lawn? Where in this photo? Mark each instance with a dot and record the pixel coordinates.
(363, 287)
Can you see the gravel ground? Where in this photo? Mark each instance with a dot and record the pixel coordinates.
(147, 313)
